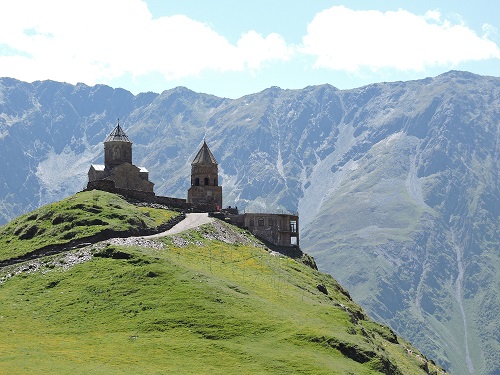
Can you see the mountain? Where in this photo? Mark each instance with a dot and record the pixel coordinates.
(397, 184)
(212, 299)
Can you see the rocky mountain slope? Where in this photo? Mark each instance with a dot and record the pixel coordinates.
(212, 299)
(397, 184)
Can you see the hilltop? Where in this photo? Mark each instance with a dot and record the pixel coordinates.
(212, 299)
(84, 217)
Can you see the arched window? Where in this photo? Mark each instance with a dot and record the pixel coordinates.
(196, 181)
(252, 222)
(261, 221)
(206, 180)
(270, 221)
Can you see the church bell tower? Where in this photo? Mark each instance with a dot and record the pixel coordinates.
(117, 148)
(205, 187)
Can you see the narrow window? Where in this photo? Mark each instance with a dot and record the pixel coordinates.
(270, 221)
(261, 222)
(206, 180)
(252, 222)
(215, 182)
(293, 226)
(196, 181)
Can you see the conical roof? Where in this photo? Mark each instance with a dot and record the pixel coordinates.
(204, 156)
(117, 135)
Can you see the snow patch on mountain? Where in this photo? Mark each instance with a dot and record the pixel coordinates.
(322, 181)
(64, 172)
(279, 165)
(414, 184)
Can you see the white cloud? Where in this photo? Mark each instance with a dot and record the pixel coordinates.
(94, 40)
(344, 39)
(489, 30)
(434, 15)
(255, 49)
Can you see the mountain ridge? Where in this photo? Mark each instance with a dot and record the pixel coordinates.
(404, 170)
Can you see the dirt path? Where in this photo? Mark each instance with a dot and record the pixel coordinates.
(191, 221)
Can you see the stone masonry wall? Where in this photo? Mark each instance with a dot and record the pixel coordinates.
(149, 197)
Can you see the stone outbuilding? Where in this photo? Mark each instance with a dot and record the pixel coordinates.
(278, 229)
(205, 189)
(118, 169)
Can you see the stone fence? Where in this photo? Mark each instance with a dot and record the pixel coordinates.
(149, 197)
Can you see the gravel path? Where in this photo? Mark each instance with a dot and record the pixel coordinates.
(191, 221)
(70, 257)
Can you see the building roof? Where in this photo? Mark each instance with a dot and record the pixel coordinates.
(117, 135)
(98, 167)
(204, 156)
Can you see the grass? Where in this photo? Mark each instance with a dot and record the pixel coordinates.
(198, 306)
(79, 216)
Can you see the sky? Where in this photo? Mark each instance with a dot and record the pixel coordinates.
(233, 48)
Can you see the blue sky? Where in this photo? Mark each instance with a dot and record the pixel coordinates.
(232, 48)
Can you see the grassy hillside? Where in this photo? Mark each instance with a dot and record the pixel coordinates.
(79, 216)
(211, 300)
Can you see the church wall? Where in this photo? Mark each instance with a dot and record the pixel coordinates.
(96, 175)
(116, 153)
(202, 171)
(148, 197)
(205, 195)
(127, 176)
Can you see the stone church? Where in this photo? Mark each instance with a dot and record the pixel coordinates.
(118, 170)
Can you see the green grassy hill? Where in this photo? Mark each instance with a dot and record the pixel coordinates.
(77, 217)
(210, 300)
